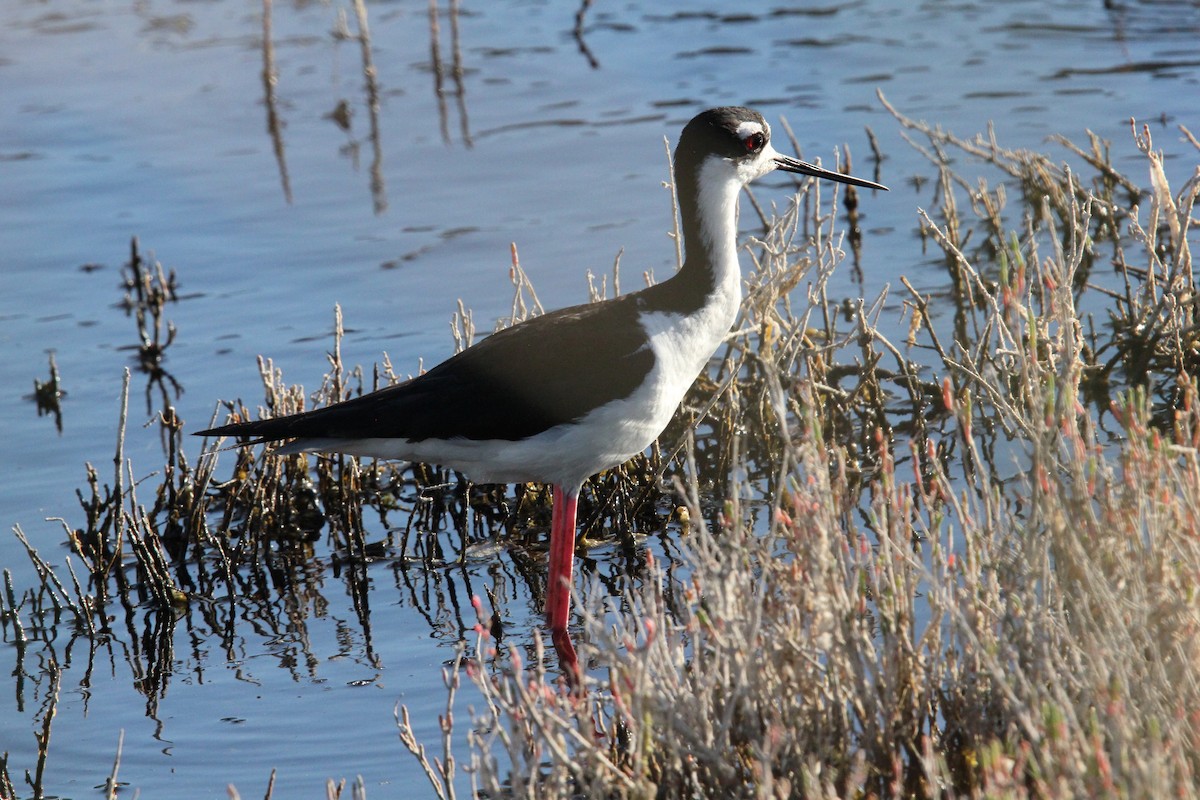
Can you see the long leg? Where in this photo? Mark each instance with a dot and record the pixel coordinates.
(562, 559)
(558, 590)
(553, 588)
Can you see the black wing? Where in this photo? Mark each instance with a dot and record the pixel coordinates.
(514, 384)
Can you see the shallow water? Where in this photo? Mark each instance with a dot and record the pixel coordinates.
(151, 119)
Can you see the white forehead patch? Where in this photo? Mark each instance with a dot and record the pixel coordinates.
(749, 127)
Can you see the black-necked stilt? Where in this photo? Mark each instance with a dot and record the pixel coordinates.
(563, 396)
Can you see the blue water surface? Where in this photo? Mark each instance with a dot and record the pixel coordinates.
(151, 119)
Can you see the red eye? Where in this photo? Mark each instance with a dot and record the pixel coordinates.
(754, 142)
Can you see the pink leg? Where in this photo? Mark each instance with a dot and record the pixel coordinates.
(552, 585)
(558, 583)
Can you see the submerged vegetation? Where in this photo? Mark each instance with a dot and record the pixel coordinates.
(962, 564)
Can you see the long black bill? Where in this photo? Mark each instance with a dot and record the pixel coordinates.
(789, 164)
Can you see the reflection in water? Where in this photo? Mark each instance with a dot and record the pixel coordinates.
(341, 113)
(235, 603)
(456, 73)
(42, 737)
(148, 288)
(577, 32)
(378, 191)
(48, 395)
(269, 79)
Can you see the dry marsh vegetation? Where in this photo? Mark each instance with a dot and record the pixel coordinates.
(1001, 602)
(964, 563)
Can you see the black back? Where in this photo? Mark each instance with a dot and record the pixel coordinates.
(516, 383)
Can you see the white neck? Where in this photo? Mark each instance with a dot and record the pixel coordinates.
(715, 235)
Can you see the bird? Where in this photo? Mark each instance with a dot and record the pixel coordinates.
(563, 396)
